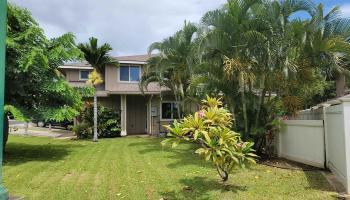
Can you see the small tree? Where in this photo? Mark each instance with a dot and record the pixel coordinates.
(98, 58)
(211, 128)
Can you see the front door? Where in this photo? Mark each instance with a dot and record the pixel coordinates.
(136, 114)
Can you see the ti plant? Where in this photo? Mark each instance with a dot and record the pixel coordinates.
(211, 129)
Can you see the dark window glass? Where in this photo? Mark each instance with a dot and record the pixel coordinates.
(84, 75)
(134, 73)
(124, 73)
(166, 110)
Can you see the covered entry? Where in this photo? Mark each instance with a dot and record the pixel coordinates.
(136, 114)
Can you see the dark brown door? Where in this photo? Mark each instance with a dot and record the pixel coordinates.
(136, 114)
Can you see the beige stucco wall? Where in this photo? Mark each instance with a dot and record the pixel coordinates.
(113, 84)
(72, 75)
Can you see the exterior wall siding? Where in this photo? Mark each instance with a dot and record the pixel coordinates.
(114, 85)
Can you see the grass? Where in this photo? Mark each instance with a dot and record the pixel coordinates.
(139, 168)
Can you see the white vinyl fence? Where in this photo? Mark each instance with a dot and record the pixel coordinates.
(320, 138)
(303, 141)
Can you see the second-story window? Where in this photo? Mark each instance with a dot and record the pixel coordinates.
(129, 73)
(84, 75)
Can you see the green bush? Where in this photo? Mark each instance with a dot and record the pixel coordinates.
(83, 131)
(108, 121)
(211, 129)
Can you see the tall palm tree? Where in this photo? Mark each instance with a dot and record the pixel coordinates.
(98, 58)
(172, 66)
(328, 44)
(245, 45)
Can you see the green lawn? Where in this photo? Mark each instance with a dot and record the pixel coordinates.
(139, 168)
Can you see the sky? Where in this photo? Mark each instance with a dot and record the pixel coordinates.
(129, 26)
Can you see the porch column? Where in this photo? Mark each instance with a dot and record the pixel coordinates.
(123, 114)
(149, 115)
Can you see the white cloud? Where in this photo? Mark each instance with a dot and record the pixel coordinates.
(130, 26)
(345, 10)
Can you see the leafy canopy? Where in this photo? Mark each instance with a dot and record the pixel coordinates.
(34, 86)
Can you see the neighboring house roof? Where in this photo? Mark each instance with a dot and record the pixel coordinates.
(136, 59)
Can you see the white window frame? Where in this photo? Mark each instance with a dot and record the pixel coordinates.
(129, 66)
(161, 110)
(83, 79)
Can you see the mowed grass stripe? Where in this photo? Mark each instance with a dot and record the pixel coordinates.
(140, 168)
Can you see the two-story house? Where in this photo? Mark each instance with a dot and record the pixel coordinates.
(141, 112)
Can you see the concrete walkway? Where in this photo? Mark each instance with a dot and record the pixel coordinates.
(42, 132)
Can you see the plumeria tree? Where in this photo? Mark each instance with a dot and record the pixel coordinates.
(211, 128)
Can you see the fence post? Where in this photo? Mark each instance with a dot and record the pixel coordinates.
(3, 27)
(346, 116)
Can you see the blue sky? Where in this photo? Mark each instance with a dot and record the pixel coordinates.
(329, 4)
(130, 26)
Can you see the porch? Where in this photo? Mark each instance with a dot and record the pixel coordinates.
(139, 114)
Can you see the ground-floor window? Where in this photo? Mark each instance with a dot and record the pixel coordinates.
(169, 110)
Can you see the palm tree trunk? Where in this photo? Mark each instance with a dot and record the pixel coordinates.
(340, 84)
(245, 117)
(95, 118)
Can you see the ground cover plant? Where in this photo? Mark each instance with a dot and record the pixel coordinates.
(140, 168)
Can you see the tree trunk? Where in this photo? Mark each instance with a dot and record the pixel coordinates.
(6, 132)
(95, 118)
(245, 117)
(260, 106)
(223, 174)
(340, 85)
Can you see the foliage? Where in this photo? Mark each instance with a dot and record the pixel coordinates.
(97, 56)
(108, 121)
(172, 66)
(211, 127)
(82, 131)
(261, 59)
(94, 78)
(34, 86)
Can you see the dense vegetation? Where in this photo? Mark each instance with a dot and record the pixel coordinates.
(263, 60)
(108, 122)
(34, 88)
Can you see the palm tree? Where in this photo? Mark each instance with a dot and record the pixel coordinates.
(172, 66)
(328, 44)
(246, 45)
(98, 58)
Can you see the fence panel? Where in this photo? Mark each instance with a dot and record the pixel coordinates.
(303, 141)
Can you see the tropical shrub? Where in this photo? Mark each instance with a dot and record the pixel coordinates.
(211, 129)
(108, 122)
(82, 131)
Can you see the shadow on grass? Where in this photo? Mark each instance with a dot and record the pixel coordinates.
(200, 188)
(180, 156)
(19, 153)
(317, 181)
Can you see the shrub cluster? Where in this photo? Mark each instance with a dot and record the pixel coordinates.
(108, 123)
